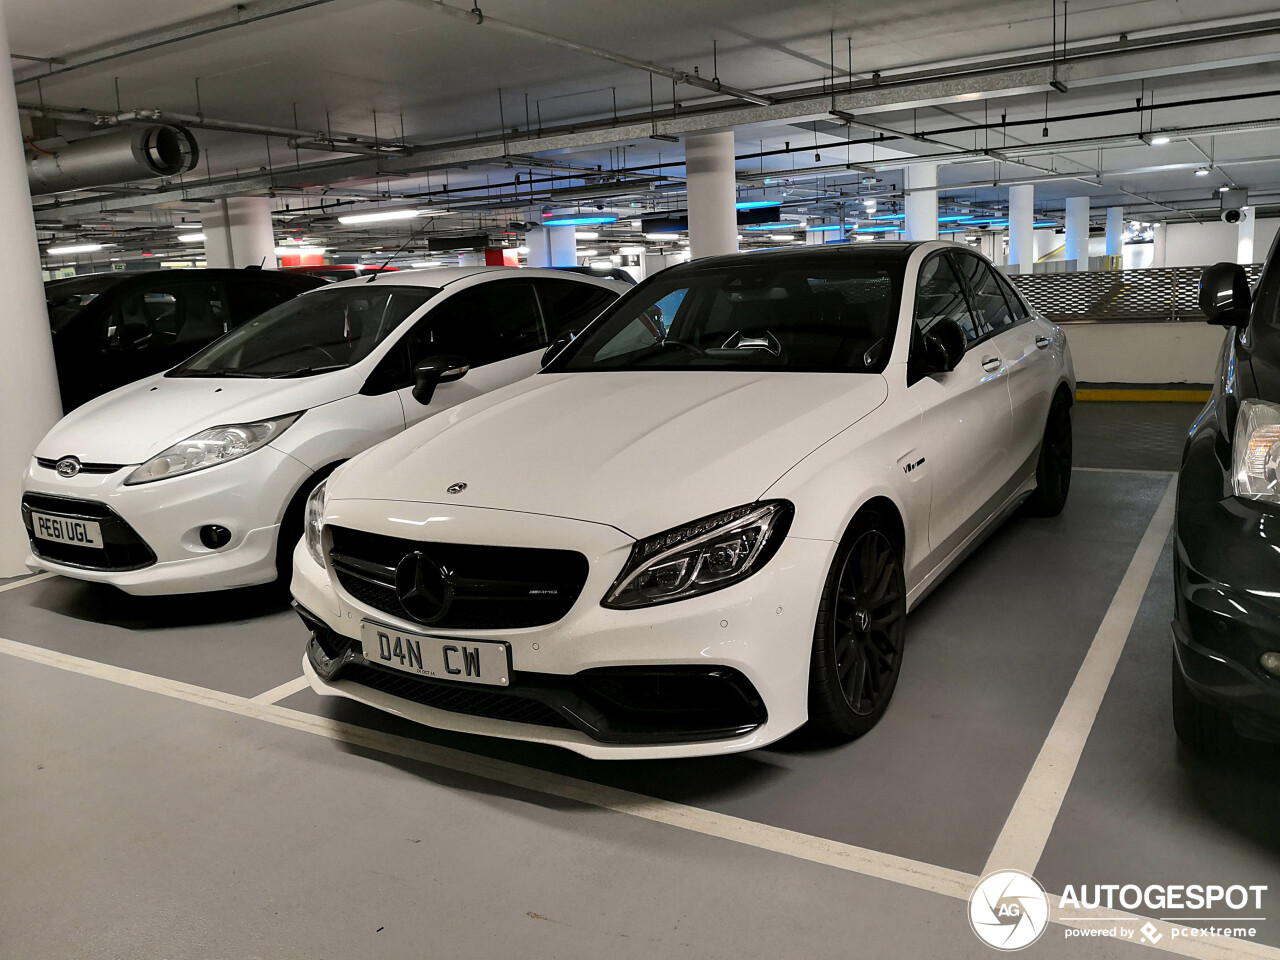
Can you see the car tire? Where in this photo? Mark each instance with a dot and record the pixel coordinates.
(1201, 726)
(1053, 467)
(859, 633)
(291, 525)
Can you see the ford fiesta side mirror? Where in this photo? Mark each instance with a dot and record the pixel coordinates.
(1224, 294)
(557, 345)
(944, 346)
(433, 371)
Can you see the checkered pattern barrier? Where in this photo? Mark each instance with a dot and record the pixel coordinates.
(1157, 294)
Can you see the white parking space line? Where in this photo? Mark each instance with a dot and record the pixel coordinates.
(1021, 841)
(860, 860)
(287, 689)
(24, 581)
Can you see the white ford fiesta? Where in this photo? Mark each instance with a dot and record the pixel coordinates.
(196, 479)
(703, 523)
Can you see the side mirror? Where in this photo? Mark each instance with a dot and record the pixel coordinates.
(557, 345)
(1224, 294)
(944, 346)
(433, 371)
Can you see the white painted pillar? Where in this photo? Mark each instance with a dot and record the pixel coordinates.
(1160, 241)
(28, 381)
(1078, 232)
(1244, 237)
(1022, 214)
(712, 183)
(238, 233)
(552, 247)
(1115, 231)
(921, 204)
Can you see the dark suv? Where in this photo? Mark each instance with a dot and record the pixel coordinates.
(1226, 666)
(110, 329)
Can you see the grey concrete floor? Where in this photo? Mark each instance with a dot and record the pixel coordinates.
(146, 825)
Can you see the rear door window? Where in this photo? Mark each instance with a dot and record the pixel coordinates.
(991, 312)
(487, 323)
(569, 305)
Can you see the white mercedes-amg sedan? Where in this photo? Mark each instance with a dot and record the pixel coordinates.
(703, 523)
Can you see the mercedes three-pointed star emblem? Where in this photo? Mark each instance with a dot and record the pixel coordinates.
(424, 587)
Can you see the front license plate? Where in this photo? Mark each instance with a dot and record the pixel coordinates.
(442, 658)
(82, 533)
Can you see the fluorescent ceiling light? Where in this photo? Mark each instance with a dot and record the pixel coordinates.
(588, 253)
(1202, 171)
(631, 251)
(1159, 141)
(782, 236)
(756, 204)
(661, 236)
(76, 248)
(379, 216)
(579, 221)
(298, 249)
(523, 251)
(191, 238)
(585, 235)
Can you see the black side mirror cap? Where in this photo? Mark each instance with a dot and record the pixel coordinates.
(944, 346)
(1225, 298)
(433, 371)
(558, 344)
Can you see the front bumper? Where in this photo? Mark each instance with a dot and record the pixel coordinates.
(247, 496)
(749, 644)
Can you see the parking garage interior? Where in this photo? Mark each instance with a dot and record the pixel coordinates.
(174, 787)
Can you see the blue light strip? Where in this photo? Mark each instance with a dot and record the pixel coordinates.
(889, 216)
(955, 218)
(1045, 223)
(756, 204)
(577, 221)
(878, 230)
(825, 227)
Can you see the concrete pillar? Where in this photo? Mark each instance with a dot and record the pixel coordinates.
(921, 202)
(28, 381)
(1244, 237)
(1115, 231)
(1022, 214)
(1160, 242)
(238, 233)
(712, 183)
(552, 247)
(1078, 232)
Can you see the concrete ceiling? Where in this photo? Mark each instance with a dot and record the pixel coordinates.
(960, 73)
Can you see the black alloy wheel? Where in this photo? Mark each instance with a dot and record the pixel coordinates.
(861, 627)
(1053, 468)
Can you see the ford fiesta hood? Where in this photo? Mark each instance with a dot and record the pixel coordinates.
(638, 450)
(134, 423)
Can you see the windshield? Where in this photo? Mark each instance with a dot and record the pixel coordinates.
(775, 315)
(330, 329)
(66, 298)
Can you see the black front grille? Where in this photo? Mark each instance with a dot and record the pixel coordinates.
(493, 587)
(456, 697)
(122, 548)
(84, 467)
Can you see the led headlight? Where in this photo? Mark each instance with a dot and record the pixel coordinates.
(208, 448)
(706, 555)
(314, 521)
(1256, 456)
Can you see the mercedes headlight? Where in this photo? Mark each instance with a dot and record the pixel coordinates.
(1256, 452)
(706, 555)
(208, 448)
(315, 520)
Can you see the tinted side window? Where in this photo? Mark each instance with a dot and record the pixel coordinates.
(1016, 306)
(166, 314)
(990, 310)
(571, 306)
(939, 294)
(252, 297)
(484, 324)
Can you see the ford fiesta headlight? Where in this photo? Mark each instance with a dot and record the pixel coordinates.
(316, 504)
(1256, 452)
(208, 448)
(706, 555)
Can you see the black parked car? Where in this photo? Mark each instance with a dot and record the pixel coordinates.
(110, 329)
(1226, 668)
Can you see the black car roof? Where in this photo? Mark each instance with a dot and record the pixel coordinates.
(105, 281)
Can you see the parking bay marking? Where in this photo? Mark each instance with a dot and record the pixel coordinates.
(24, 581)
(1026, 830)
(860, 860)
(285, 690)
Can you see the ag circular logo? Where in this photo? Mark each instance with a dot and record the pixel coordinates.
(1008, 910)
(67, 467)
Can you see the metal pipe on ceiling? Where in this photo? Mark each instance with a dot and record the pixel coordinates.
(140, 153)
(474, 16)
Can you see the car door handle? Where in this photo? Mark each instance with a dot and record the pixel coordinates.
(991, 363)
(1043, 342)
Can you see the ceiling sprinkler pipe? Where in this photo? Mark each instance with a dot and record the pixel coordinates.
(121, 156)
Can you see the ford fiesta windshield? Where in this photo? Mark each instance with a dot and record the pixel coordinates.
(314, 333)
(825, 318)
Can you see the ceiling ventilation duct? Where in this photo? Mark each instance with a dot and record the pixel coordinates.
(134, 153)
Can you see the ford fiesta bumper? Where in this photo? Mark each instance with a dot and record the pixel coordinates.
(720, 673)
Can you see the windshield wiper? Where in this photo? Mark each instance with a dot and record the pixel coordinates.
(215, 373)
(308, 371)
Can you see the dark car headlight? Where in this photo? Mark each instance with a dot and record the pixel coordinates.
(702, 556)
(1255, 458)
